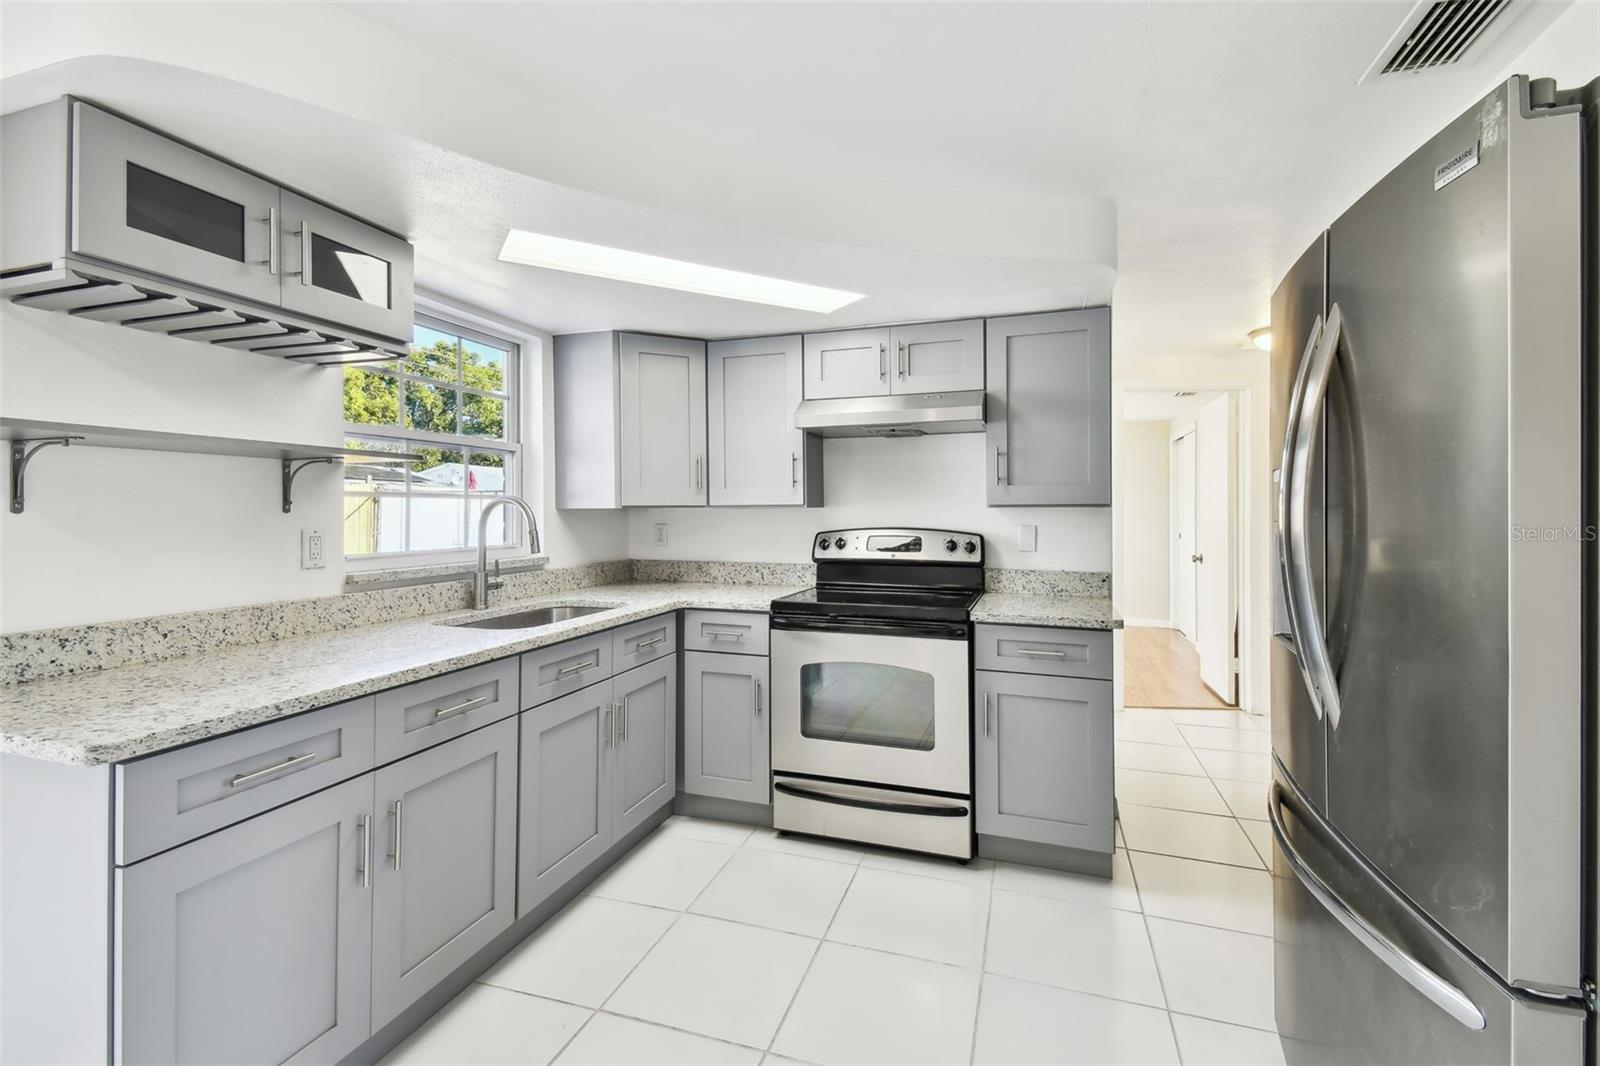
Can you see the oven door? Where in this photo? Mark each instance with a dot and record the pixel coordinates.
(882, 703)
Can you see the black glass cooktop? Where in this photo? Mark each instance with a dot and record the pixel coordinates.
(879, 601)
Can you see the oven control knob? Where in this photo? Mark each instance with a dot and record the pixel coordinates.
(969, 547)
(838, 542)
(950, 545)
(822, 544)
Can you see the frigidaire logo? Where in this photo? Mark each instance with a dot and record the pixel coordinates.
(1550, 534)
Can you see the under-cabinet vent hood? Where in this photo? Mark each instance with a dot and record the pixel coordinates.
(910, 415)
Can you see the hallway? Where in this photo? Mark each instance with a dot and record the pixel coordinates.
(1162, 669)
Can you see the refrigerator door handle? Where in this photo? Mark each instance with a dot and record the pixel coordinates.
(1446, 996)
(1286, 514)
(1310, 639)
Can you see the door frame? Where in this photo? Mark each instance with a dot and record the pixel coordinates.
(1252, 526)
(1175, 478)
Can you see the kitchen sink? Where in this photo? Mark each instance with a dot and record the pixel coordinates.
(538, 616)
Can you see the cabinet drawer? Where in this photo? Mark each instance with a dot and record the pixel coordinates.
(565, 667)
(639, 643)
(167, 799)
(429, 712)
(1038, 650)
(741, 632)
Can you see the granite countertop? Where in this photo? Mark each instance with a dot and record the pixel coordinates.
(1043, 609)
(122, 713)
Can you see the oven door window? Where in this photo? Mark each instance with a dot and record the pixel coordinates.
(867, 703)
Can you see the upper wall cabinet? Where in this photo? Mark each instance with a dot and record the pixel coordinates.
(757, 457)
(925, 357)
(1049, 408)
(630, 421)
(86, 188)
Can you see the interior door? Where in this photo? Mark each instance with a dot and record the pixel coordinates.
(646, 754)
(1183, 544)
(663, 421)
(849, 362)
(344, 270)
(564, 791)
(757, 455)
(152, 203)
(1214, 464)
(252, 944)
(445, 878)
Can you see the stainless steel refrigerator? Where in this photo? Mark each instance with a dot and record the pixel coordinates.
(1433, 672)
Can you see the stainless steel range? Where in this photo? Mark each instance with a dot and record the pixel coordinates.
(872, 691)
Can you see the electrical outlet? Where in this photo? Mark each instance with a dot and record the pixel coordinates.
(312, 554)
(661, 534)
(1028, 538)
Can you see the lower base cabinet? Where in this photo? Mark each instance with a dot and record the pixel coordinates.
(727, 734)
(1044, 757)
(253, 944)
(444, 877)
(594, 765)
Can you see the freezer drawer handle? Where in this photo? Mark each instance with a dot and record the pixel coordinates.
(1446, 996)
(871, 805)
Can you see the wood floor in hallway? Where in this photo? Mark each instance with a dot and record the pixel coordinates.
(1162, 669)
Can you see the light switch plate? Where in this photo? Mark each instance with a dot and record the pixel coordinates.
(661, 534)
(1028, 538)
(313, 553)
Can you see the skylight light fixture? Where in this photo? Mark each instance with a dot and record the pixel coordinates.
(619, 264)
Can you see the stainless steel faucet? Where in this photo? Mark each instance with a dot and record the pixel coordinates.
(481, 584)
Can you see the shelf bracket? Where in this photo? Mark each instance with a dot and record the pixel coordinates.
(21, 454)
(290, 471)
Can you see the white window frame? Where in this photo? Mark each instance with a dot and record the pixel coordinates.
(450, 320)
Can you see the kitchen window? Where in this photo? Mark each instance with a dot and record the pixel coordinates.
(452, 401)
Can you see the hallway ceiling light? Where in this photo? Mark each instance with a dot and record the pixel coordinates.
(619, 264)
(1260, 338)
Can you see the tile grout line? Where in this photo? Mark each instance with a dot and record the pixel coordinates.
(1155, 959)
(983, 963)
(778, 1030)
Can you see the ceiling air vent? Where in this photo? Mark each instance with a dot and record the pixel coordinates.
(1438, 33)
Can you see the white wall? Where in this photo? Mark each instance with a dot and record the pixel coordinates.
(935, 481)
(1144, 595)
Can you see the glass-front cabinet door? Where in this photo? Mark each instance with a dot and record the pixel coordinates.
(143, 200)
(344, 270)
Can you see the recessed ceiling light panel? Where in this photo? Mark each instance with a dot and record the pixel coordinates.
(619, 264)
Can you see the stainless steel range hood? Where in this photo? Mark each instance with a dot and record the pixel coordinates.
(893, 416)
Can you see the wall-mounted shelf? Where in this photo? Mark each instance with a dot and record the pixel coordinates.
(27, 436)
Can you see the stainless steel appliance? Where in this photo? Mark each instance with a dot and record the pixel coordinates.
(872, 691)
(1433, 795)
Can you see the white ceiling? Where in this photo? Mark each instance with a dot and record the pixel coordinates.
(946, 159)
(1160, 406)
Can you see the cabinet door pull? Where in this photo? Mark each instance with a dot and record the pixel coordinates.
(883, 362)
(699, 482)
(1040, 653)
(794, 470)
(986, 714)
(998, 480)
(305, 252)
(576, 668)
(723, 634)
(758, 697)
(394, 843)
(624, 719)
(254, 775)
(611, 725)
(464, 705)
(653, 642)
(900, 361)
(274, 240)
(364, 852)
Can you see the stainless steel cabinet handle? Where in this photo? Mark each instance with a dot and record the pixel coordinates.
(274, 240)
(900, 361)
(998, 479)
(364, 852)
(794, 470)
(1284, 538)
(464, 705)
(986, 714)
(698, 482)
(1311, 644)
(758, 697)
(611, 725)
(722, 634)
(254, 775)
(394, 842)
(624, 726)
(1041, 653)
(653, 642)
(577, 668)
(1446, 996)
(305, 252)
(883, 362)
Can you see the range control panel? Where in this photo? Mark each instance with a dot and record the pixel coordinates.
(897, 545)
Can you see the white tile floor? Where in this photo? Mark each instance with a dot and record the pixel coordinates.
(715, 943)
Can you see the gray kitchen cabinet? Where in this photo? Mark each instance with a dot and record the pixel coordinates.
(343, 270)
(644, 774)
(1049, 408)
(757, 457)
(444, 870)
(630, 414)
(1044, 759)
(663, 428)
(252, 944)
(850, 362)
(564, 786)
(727, 734)
(937, 356)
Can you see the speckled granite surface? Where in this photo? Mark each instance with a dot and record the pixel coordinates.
(1027, 609)
(135, 710)
(801, 575)
(1092, 583)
